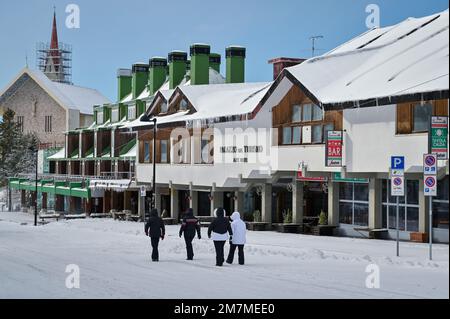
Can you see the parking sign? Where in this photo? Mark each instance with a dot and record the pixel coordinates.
(430, 186)
(430, 164)
(397, 186)
(398, 162)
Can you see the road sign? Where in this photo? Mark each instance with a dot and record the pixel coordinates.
(143, 191)
(430, 186)
(430, 164)
(398, 162)
(333, 151)
(439, 137)
(397, 186)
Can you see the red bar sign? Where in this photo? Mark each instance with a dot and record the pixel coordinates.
(333, 152)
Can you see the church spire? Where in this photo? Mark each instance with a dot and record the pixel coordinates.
(54, 42)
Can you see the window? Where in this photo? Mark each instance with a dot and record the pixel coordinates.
(205, 151)
(307, 113)
(296, 113)
(287, 135)
(317, 131)
(415, 117)
(132, 112)
(114, 115)
(48, 124)
(440, 205)
(20, 120)
(296, 135)
(146, 152)
(164, 151)
(317, 113)
(164, 108)
(421, 117)
(354, 204)
(408, 207)
(183, 105)
(99, 117)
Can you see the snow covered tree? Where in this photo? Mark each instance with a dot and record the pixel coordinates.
(17, 150)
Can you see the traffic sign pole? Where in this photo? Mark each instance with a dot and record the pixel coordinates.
(398, 226)
(431, 228)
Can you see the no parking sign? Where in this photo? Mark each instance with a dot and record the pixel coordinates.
(430, 174)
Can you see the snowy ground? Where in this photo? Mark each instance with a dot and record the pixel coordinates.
(114, 262)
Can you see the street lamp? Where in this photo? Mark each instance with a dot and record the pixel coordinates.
(154, 164)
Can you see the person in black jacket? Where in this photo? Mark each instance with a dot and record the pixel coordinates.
(218, 231)
(189, 227)
(154, 228)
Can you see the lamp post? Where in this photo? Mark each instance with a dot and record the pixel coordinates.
(154, 164)
(36, 187)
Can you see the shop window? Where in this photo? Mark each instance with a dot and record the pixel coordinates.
(296, 113)
(354, 204)
(440, 205)
(408, 207)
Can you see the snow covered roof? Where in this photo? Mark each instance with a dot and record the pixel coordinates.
(223, 100)
(407, 59)
(68, 96)
(212, 102)
(59, 155)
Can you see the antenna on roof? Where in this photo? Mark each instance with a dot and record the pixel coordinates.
(314, 39)
(26, 59)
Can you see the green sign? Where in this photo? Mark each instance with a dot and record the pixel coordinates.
(439, 137)
(337, 177)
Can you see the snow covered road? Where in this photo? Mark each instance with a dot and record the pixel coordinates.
(114, 261)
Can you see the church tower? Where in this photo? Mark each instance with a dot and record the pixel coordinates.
(55, 58)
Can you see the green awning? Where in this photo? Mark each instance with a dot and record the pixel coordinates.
(127, 148)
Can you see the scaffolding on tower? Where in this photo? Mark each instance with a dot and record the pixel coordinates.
(55, 62)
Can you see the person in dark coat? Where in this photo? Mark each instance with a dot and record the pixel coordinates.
(154, 228)
(189, 227)
(220, 231)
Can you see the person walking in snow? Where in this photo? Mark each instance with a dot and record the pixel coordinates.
(189, 227)
(218, 231)
(239, 238)
(154, 228)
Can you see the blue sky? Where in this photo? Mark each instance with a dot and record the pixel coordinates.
(115, 34)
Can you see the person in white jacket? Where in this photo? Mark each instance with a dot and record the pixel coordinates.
(239, 238)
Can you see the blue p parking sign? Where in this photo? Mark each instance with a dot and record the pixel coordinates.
(398, 162)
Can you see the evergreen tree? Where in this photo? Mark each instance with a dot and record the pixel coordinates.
(17, 151)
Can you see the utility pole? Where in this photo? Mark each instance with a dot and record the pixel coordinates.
(314, 39)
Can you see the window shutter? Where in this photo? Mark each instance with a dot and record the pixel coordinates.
(441, 108)
(404, 118)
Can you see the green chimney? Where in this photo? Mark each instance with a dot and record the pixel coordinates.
(177, 68)
(200, 64)
(123, 83)
(140, 78)
(214, 61)
(235, 64)
(158, 74)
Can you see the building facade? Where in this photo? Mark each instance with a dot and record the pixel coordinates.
(260, 148)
